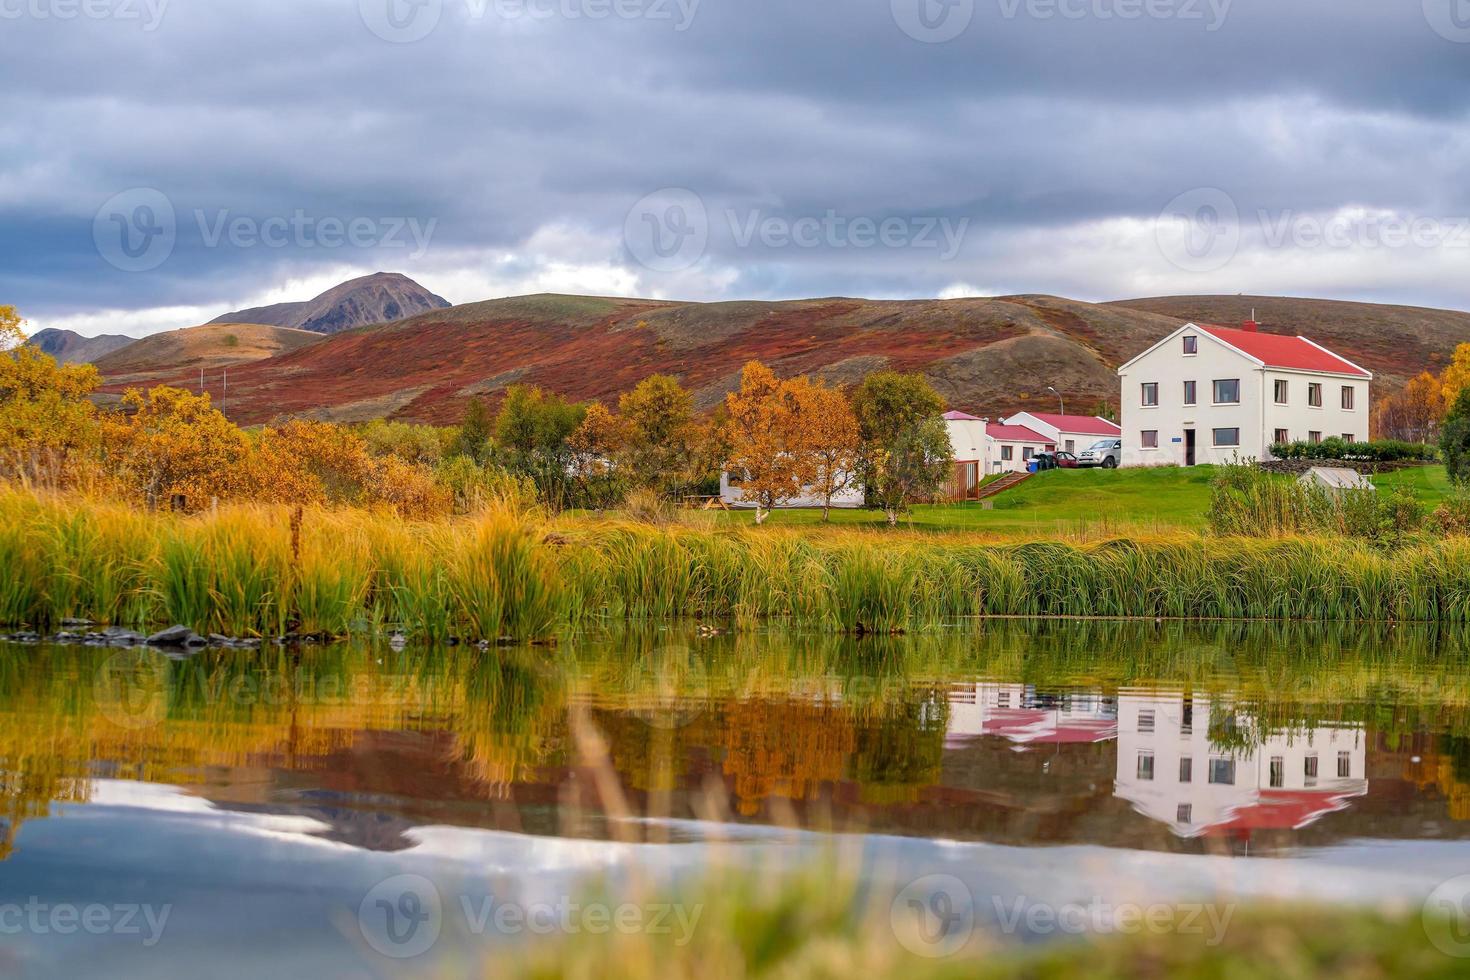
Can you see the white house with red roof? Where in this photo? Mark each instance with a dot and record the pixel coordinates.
(982, 448)
(1206, 394)
(1201, 767)
(1069, 433)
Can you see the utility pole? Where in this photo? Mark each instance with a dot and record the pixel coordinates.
(1061, 404)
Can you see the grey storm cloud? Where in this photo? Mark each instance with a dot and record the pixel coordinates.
(508, 117)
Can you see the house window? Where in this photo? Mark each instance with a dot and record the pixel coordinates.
(1145, 721)
(1314, 395)
(1222, 772)
(1185, 814)
(1347, 398)
(1191, 344)
(1151, 394)
(1227, 392)
(1278, 772)
(1281, 392)
(1349, 437)
(1344, 765)
(1007, 453)
(1314, 436)
(1190, 395)
(1145, 765)
(1071, 445)
(1309, 770)
(1227, 437)
(1026, 452)
(1150, 438)
(1283, 436)
(1186, 769)
(1186, 718)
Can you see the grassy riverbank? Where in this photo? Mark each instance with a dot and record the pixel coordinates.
(251, 570)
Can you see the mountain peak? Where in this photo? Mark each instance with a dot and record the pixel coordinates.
(378, 298)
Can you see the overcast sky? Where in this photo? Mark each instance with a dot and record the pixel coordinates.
(164, 161)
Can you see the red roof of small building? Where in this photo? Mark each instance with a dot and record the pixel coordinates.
(1087, 424)
(1276, 350)
(959, 417)
(1015, 433)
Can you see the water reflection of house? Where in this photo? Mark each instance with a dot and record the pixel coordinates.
(1201, 768)
(1017, 712)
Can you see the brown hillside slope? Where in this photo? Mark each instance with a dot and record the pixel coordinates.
(1394, 342)
(182, 353)
(990, 356)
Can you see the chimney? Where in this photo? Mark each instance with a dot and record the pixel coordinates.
(1250, 326)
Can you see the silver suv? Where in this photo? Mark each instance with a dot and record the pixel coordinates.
(1105, 453)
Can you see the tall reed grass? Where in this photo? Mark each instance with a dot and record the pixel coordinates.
(517, 574)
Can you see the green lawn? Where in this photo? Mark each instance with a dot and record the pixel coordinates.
(1161, 498)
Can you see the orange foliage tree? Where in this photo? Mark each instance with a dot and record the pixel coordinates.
(1412, 414)
(766, 440)
(170, 441)
(828, 437)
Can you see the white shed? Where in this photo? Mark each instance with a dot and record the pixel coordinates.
(1336, 479)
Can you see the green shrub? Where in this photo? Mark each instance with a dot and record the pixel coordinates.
(1377, 451)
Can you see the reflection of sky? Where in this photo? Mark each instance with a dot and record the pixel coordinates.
(257, 894)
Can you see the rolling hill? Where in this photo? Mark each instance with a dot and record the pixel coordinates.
(989, 356)
(183, 353)
(379, 298)
(70, 347)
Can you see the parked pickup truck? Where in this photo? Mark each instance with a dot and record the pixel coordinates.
(1105, 453)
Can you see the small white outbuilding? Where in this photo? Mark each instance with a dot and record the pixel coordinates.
(1336, 479)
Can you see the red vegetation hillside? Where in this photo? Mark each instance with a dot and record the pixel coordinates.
(989, 356)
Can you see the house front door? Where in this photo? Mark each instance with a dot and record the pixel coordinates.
(1188, 447)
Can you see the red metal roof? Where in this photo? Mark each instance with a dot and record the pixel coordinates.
(1286, 810)
(959, 417)
(1276, 350)
(1089, 424)
(1015, 433)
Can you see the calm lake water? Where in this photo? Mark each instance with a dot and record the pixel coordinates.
(255, 813)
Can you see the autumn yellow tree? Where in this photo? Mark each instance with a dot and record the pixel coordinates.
(48, 429)
(827, 435)
(1456, 376)
(594, 448)
(658, 432)
(1412, 414)
(767, 460)
(168, 441)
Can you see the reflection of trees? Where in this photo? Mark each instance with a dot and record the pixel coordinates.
(784, 749)
(899, 752)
